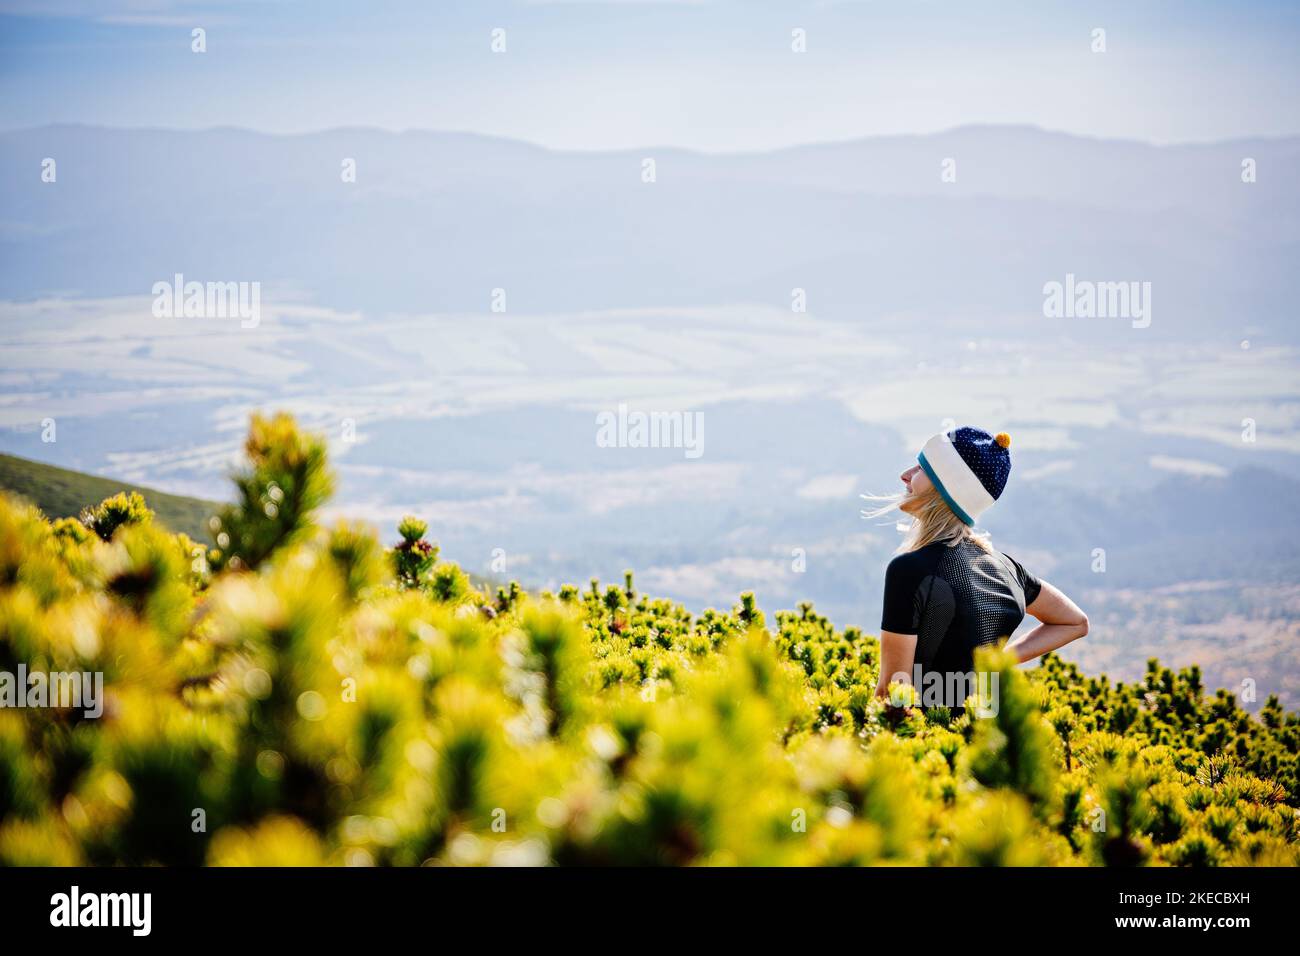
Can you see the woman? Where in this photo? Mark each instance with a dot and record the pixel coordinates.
(948, 591)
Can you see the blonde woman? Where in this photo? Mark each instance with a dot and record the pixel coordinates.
(948, 591)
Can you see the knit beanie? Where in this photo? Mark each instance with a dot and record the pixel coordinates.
(969, 467)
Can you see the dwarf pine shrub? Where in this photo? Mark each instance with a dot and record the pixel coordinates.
(306, 695)
(112, 513)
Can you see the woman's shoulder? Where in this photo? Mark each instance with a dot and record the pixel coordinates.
(916, 562)
(1010, 562)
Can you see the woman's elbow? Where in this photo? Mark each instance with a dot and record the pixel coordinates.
(1082, 625)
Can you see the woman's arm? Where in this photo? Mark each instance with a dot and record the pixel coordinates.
(897, 653)
(1061, 622)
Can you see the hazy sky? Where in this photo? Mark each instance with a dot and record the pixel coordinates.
(708, 74)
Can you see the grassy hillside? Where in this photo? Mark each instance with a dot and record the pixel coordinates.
(62, 493)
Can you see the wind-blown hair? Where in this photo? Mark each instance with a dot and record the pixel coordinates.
(931, 520)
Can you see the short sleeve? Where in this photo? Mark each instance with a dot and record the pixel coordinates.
(1028, 583)
(899, 613)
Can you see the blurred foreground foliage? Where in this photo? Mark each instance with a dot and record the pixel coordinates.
(304, 695)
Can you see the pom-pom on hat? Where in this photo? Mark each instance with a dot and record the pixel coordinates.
(969, 467)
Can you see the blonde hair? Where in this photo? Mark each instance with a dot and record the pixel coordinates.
(931, 520)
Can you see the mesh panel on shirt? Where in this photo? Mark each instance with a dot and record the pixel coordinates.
(972, 598)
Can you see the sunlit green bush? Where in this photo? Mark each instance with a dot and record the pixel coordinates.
(304, 695)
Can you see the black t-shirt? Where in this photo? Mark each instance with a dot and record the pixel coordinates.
(955, 599)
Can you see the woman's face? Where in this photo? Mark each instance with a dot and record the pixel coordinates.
(917, 483)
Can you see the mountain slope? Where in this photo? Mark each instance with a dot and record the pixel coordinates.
(62, 493)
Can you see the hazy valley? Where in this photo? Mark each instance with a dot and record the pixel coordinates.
(923, 304)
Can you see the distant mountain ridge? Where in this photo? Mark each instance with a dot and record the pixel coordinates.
(871, 227)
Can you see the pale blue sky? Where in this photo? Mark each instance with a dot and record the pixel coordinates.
(712, 74)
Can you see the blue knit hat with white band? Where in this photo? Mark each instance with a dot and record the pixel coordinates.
(969, 467)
